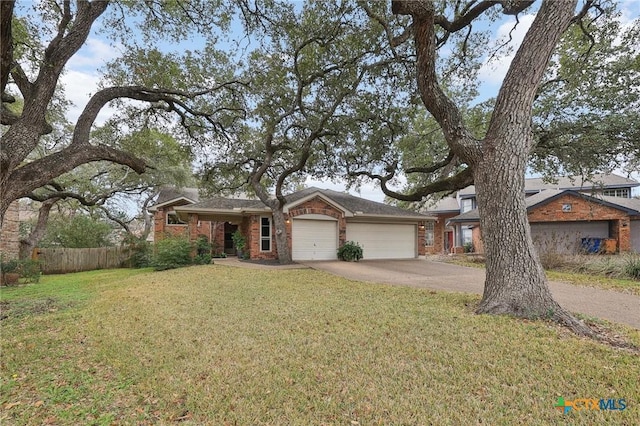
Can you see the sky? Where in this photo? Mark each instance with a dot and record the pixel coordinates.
(83, 75)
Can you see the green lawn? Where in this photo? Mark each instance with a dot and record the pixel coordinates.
(220, 345)
(592, 279)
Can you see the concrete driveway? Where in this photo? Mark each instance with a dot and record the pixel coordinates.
(611, 305)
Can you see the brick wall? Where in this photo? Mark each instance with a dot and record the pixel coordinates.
(586, 210)
(319, 206)
(10, 232)
(439, 234)
(581, 210)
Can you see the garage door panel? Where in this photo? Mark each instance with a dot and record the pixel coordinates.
(314, 239)
(384, 241)
(565, 237)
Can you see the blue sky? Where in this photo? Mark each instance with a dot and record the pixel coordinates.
(82, 76)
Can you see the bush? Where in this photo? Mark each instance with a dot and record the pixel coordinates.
(351, 251)
(30, 270)
(632, 266)
(553, 260)
(171, 252)
(202, 259)
(140, 252)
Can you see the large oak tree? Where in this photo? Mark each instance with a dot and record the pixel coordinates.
(31, 77)
(496, 160)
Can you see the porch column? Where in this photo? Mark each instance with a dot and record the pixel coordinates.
(458, 239)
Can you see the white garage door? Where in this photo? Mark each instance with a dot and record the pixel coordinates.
(635, 235)
(314, 239)
(384, 241)
(565, 237)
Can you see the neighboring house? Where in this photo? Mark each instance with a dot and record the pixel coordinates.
(318, 222)
(561, 215)
(10, 232)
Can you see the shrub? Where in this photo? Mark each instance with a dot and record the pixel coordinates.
(30, 270)
(553, 260)
(140, 252)
(8, 266)
(202, 259)
(171, 252)
(632, 266)
(351, 251)
(239, 241)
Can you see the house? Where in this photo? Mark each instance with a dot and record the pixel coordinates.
(561, 214)
(10, 232)
(318, 222)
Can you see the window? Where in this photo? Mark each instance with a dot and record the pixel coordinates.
(265, 234)
(429, 237)
(173, 219)
(467, 235)
(620, 192)
(467, 204)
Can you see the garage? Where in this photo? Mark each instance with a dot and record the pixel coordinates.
(384, 240)
(565, 237)
(314, 237)
(635, 235)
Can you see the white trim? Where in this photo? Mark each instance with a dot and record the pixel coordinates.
(346, 212)
(314, 217)
(173, 212)
(169, 202)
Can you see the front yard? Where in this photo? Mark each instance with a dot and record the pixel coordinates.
(219, 345)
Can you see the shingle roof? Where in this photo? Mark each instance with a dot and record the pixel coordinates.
(169, 193)
(355, 204)
(598, 181)
(228, 204)
(350, 202)
(446, 204)
(615, 202)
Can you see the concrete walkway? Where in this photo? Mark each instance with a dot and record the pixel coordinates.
(611, 305)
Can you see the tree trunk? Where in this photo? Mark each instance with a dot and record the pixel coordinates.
(28, 244)
(282, 237)
(515, 283)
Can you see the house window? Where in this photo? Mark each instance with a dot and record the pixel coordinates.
(466, 205)
(265, 234)
(467, 235)
(619, 192)
(429, 237)
(173, 219)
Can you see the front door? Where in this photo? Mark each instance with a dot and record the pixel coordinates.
(229, 229)
(448, 241)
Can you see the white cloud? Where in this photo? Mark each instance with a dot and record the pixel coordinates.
(493, 71)
(94, 54)
(82, 77)
(79, 87)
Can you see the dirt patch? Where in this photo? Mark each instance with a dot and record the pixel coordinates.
(23, 308)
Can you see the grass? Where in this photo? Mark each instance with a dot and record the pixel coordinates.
(219, 345)
(589, 271)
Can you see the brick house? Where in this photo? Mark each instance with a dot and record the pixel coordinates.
(564, 221)
(10, 232)
(318, 222)
(599, 208)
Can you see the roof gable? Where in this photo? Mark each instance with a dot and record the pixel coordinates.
(629, 206)
(350, 205)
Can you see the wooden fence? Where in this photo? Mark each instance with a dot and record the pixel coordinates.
(63, 260)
